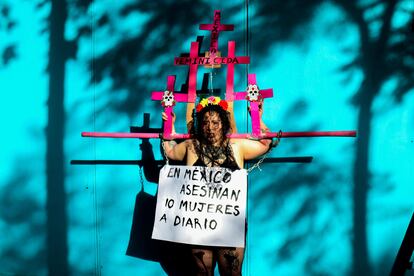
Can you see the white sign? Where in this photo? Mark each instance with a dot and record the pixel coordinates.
(201, 205)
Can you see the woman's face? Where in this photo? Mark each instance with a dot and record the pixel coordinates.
(212, 127)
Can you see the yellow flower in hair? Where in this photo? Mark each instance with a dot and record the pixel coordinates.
(204, 102)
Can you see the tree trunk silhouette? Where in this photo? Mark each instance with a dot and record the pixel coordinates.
(374, 64)
(361, 183)
(56, 197)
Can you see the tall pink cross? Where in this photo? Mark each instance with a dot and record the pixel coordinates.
(168, 99)
(193, 69)
(254, 99)
(215, 29)
(192, 61)
(231, 53)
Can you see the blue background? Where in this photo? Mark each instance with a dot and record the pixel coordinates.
(333, 65)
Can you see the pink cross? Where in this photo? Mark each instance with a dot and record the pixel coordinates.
(215, 29)
(192, 61)
(230, 71)
(254, 104)
(168, 109)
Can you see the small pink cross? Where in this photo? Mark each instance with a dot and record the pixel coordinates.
(169, 98)
(254, 102)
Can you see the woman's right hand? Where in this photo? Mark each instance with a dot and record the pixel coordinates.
(165, 116)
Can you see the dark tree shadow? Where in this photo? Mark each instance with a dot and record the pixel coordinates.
(56, 199)
(314, 188)
(23, 217)
(382, 57)
(157, 43)
(173, 257)
(7, 25)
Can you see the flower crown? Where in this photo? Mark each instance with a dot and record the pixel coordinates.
(212, 101)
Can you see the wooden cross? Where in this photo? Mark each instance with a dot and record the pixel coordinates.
(254, 104)
(168, 108)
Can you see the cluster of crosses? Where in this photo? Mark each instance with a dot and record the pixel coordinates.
(213, 59)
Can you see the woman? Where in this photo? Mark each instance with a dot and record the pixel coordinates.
(211, 147)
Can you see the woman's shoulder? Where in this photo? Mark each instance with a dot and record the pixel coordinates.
(241, 143)
(235, 142)
(191, 146)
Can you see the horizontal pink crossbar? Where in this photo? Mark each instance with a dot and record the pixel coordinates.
(211, 60)
(347, 133)
(221, 27)
(120, 135)
(179, 97)
(130, 135)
